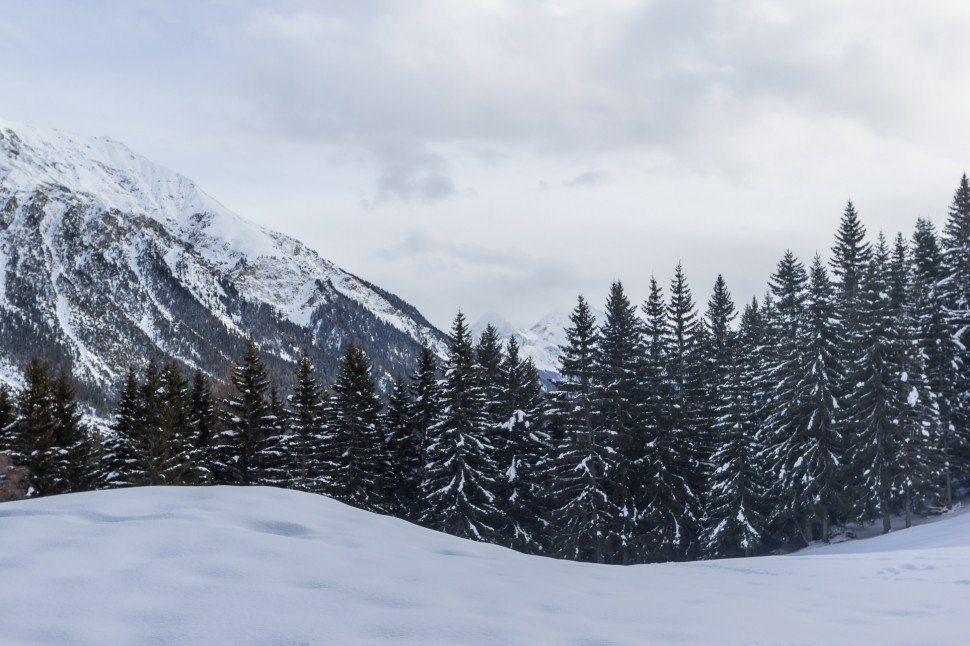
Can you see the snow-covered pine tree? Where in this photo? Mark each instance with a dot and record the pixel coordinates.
(585, 513)
(358, 439)
(815, 452)
(956, 294)
(788, 418)
(275, 466)
(488, 356)
(203, 418)
(921, 461)
(239, 445)
(122, 447)
(851, 256)
(935, 338)
(684, 365)
(34, 442)
(524, 448)
(176, 426)
(459, 478)
(403, 454)
(78, 464)
(735, 522)
(425, 403)
(715, 355)
(876, 402)
(618, 415)
(308, 434)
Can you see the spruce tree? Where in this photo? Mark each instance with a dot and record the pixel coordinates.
(874, 405)
(78, 464)
(203, 420)
(618, 416)
(586, 513)
(35, 442)
(921, 457)
(735, 523)
(459, 482)
(308, 437)
(684, 367)
(425, 401)
(851, 257)
(357, 434)
(521, 460)
(403, 454)
(175, 427)
(125, 452)
(239, 446)
(788, 419)
(956, 296)
(936, 342)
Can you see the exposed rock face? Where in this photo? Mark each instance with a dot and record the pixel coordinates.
(14, 480)
(108, 259)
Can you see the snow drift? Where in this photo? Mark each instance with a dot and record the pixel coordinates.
(265, 566)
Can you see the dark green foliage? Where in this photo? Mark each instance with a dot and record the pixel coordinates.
(403, 451)
(521, 458)
(305, 445)
(358, 449)
(459, 480)
(585, 514)
(239, 447)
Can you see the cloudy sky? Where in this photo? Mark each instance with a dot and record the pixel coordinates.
(506, 156)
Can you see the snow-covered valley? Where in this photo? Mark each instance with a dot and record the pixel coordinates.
(224, 565)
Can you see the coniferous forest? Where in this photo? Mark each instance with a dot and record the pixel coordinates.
(676, 431)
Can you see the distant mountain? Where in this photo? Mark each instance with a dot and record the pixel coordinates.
(107, 259)
(540, 342)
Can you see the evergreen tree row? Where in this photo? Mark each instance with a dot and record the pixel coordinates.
(843, 395)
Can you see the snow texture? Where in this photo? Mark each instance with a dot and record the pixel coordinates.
(228, 565)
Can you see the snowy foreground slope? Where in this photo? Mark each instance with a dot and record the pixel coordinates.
(265, 566)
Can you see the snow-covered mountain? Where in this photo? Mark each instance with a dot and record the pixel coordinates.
(254, 565)
(541, 341)
(108, 258)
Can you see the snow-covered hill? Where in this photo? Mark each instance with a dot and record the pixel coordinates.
(106, 256)
(229, 565)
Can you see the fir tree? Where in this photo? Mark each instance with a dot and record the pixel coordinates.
(425, 401)
(308, 437)
(203, 419)
(875, 404)
(586, 514)
(788, 420)
(35, 444)
(403, 453)
(936, 342)
(176, 429)
(523, 448)
(124, 452)
(459, 483)
(239, 446)
(735, 520)
(78, 461)
(956, 297)
(684, 367)
(357, 434)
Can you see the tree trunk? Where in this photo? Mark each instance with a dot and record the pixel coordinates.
(825, 525)
(909, 509)
(884, 508)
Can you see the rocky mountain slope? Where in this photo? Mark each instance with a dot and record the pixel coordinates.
(107, 258)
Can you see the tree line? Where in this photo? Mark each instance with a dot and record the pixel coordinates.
(842, 395)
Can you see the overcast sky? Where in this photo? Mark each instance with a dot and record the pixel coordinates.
(506, 156)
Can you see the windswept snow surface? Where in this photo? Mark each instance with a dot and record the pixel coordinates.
(227, 565)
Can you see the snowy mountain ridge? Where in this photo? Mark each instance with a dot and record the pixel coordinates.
(79, 215)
